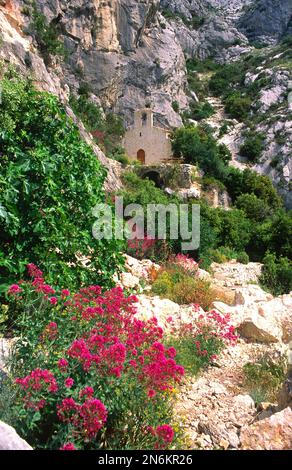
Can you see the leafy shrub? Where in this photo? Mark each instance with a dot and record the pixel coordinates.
(222, 254)
(223, 81)
(88, 373)
(224, 153)
(208, 182)
(177, 283)
(175, 106)
(253, 147)
(198, 147)
(198, 344)
(199, 111)
(46, 34)
(264, 378)
(254, 208)
(107, 129)
(50, 180)
(234, 230)
(243, 258)
(277, 274)
(238, 106)
(118, 154)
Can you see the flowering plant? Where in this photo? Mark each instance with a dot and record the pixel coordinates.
(89, 374)
(199, 342)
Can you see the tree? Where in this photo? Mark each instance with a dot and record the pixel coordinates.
(50, 180)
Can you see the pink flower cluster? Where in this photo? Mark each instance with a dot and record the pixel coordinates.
(35, 384)
(87, 418)
(110, 343)
(187, 263)
(164, 436)
(220, 325)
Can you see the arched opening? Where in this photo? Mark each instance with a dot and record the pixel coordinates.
(155, 177)
(141, 156)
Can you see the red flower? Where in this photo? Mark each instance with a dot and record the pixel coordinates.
(53, 300)
(14, 289)
(68, 446)
(69, 383)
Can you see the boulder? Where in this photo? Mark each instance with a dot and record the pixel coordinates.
(128, 281)
(257, 328)
(10, 440)
(273, 433)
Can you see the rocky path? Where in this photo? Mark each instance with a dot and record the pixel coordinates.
(214, 407)
(232, 139)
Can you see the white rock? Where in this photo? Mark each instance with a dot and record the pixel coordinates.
(244, 401)
(10, 440)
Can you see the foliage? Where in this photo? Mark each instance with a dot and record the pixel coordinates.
(175, 106)
(238, 106)
(118, 154)
(178, 284)
(255, 208)
(87, 372)
(199, 343)
(50, 181)
(46, 34)
(107, 129)
(253, 147)
(198, 147)
(199, 111)
(277, 274)
(264, 378)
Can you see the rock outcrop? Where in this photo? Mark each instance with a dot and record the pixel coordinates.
(267, 21)
(273, 433)
(10, 440)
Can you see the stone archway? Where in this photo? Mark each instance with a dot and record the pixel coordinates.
(155, 177)
(141, 157)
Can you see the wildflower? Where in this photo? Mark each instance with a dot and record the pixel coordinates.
(68, 446)
(86, 392)
(34, 271)
(69, 382)
(65, 293)
(63, 365)
(165, 433)
(151, 393)
(53, 300)
(14, 289)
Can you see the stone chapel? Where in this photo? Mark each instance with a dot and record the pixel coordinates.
(145, 142)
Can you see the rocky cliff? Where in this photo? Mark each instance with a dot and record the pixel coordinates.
(132, 52)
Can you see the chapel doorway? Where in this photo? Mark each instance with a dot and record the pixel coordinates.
(141, 156)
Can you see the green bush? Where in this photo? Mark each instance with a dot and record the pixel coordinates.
(175, 283)
(255, 208)
(118, 154)
(50, 180)
(107, 129)
(222, 254)
(263, 378)
(175, 106)
(198, 147)
(277, 274)
(234, 230)
(238, 106)
(253, 147)
(199, 111)
(46, 34)
(243, 258)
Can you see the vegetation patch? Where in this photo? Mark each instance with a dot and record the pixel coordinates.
(264, 378)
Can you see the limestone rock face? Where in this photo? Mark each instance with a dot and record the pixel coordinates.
(267, 20)
(273, 433)
(10, 440)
